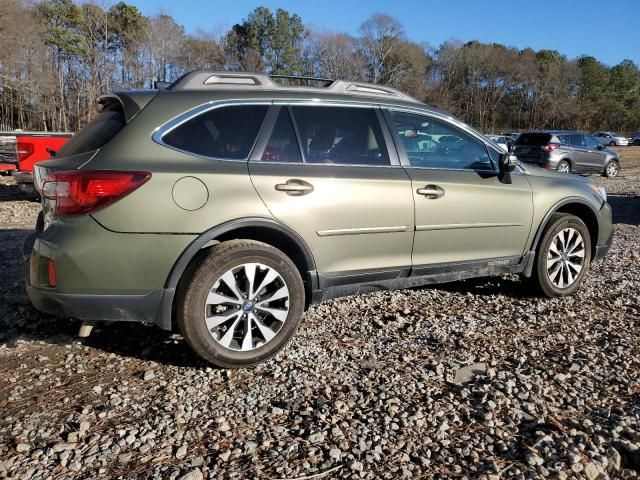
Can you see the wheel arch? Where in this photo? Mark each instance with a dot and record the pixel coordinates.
(575, 206)
(260, 229)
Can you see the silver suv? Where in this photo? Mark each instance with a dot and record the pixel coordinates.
(567, 152)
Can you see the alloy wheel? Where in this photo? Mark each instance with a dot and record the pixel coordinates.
(612, 169)
(563, 167)
(247, 307)
(565, 257)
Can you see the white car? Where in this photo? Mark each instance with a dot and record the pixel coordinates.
(612, 139)
(501, 140)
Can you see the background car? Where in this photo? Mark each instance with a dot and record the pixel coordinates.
(567, 152)
(506, 142)
(611, 138)
(635, 140)
(513, 135)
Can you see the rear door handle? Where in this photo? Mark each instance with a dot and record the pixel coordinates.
(295, 187)
(432, 192)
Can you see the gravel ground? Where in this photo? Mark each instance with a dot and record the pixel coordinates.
(474, 379)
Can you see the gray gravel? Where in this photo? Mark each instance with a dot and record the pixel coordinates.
(475, 379)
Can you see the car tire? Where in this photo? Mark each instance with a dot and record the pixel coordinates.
(636, 143)
(612, 169)
(553, 273)
(612, 144)
(218, 285)
(564, 166)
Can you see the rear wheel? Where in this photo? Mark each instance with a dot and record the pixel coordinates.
(563, 256)
(612, 169)
(242, 303)
(564, 167)
(612, 143)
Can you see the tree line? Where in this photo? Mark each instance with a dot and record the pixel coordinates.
(58, 56)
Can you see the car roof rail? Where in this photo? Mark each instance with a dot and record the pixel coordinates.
(344, 86)
(207, 80)
(325, 81)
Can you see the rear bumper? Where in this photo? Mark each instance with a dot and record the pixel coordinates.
(102, 275)
(113, 308)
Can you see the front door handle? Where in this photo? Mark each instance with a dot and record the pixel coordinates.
(295, 187)
(432, 192)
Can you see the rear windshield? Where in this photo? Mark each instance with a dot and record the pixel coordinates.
(95, 134)
(533, 139)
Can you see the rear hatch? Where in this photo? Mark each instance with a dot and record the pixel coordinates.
(116, 111)
(530, 146)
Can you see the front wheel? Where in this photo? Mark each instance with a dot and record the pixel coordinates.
(563, 256)
(612, 143)
(241, 303)
(612, 169)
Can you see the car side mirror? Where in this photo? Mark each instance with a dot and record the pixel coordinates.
(507, 162)
(600, 147)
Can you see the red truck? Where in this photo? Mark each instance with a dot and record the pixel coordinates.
(19, 151)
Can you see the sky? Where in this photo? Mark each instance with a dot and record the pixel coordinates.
(610, 31)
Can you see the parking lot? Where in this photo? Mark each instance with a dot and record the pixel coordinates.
(471, 379)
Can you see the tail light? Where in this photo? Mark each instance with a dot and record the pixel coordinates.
(80, 192)
(550, 147)
(24, 150)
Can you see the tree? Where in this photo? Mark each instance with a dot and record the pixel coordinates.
(264, 42)
(380, 36)
(332, 55)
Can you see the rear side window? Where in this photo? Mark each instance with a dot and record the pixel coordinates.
(283, 145)
(226, 132)
(341, 135)
(534, 139)
(95, 134)
(576, 140)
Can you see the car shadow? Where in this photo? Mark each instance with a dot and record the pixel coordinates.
(508, 285)
(626, 208)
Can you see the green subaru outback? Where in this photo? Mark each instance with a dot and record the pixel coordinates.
(227, 203)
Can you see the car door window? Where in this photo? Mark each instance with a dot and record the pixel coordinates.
(432, 143)
(340, 135)
(226, 132)
(591, 142)
(283, 144)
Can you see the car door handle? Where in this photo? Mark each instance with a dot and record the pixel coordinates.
(295, 187)
(432, 192)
